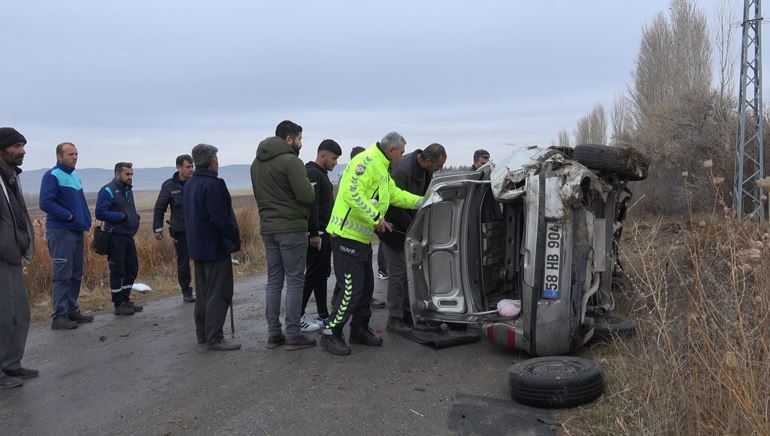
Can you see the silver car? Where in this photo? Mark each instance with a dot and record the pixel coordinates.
(539, 227)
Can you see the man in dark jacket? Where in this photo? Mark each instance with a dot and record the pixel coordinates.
(319, 250)
(212, 236)
(17, 246)
(67, 217)
(115, 206)
(413, 174)
(283, 194)
(171, 195)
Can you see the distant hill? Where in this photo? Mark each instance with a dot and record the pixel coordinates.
(150, 179)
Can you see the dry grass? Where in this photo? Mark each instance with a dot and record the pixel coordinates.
(157, 264)
(700, 363)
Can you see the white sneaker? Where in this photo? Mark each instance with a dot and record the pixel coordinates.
(321, 321)
(307, 325)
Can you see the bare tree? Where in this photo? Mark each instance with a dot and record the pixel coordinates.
(592, 128)
(621, 120)
(564, 138)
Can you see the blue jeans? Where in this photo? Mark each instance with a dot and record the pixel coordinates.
(285, 258)
(66, 248)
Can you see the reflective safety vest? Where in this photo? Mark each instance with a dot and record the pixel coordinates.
(366, 190)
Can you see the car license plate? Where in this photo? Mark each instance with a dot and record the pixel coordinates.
(551, 274)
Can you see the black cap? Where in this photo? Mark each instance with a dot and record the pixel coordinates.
(10, 136)
(330, 145)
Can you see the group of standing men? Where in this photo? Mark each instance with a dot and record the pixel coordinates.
(301, 224)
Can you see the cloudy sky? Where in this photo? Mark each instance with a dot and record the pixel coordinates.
(145, 81)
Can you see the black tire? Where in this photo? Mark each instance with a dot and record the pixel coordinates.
(625, 162)
(556, 382)
(611, 326)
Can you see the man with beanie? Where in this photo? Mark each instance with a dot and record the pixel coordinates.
(115, 206)
(283, 194)
(212, 236)
(171, 195)
(413, 174)
(319, 250)
(17, 246)
(366, 191)
(67, 217)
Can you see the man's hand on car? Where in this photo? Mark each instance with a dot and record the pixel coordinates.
(383, 226)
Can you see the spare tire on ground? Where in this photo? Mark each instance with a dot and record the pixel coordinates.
(625, 162)
(556, 382)
(610, 326)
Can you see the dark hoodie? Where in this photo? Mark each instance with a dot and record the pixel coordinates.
(281, 188)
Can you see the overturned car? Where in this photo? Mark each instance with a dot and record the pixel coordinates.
(540, 227)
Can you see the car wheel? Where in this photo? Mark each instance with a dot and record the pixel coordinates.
(626, 162)
(610, 326)
(556, 382)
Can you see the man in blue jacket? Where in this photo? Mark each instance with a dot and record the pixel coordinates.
(212, 235)
(67, 217)
(115, 206)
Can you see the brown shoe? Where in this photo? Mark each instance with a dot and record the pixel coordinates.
(275, 341)
(397, 325)
(298, 342)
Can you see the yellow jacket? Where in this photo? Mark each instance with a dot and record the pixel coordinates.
(366, 190)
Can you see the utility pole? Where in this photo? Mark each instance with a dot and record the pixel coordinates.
(749, 158)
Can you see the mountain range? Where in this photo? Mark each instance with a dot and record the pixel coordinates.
(150, 179)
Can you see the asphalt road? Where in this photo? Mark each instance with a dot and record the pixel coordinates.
(146, 374)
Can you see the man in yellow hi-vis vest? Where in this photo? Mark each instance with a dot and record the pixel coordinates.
(365, 192)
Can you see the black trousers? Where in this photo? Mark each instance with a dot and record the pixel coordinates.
(318, 268)
(124, 266)
(355, 284)
(214, 292)
(182, 260)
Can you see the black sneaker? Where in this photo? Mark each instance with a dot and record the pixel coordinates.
(365, 337)
(63, 323)
(137, 308)
(298, 342)
(335, 345)
(80, 318)
(124, 309)
(22, 373)
(224, 346)
(187, 296)
(377, 304)
(7, 382)
(275, 341)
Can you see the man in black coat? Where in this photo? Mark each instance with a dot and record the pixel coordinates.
(171, 195)
(319, 250)
(17, 246)
(413, 174)
(212, 236)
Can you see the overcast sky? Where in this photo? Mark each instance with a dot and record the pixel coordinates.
(145, 81)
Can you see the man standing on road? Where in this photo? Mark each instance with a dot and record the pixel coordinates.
(366, 191)
(171, 195)
(382, 266)
(412, 174)
(480, 157)
(283, 194)
(212, 236)
(67, 217)
(115, 206)
(319, 250)
(17, 245)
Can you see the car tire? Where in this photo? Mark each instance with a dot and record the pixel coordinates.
(556, 382)
(625, 162)
(610, 326)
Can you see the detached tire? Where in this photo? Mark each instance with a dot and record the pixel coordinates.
(556, 382)
(625, 162)
(611, 326)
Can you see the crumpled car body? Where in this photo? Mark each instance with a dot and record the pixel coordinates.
(535, 226)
